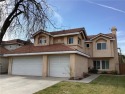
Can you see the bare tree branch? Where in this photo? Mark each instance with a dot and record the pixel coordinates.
(26, 15)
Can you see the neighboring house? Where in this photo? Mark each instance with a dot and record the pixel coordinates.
(6, 47)
(66, 53)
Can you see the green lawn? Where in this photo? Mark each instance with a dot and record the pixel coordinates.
(102, 85)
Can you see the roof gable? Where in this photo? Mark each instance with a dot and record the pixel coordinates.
(92, 37)
(41, 31)
(63, 32)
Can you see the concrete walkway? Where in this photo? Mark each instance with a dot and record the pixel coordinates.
(90, 78)
(86, 80)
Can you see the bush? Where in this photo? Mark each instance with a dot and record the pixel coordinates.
(104, 72)
(93, 70)
(114, 72)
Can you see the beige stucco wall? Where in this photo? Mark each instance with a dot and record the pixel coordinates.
(72, 65)
(10, 65)
(81, 65)
(45, 66)
(58, 40)
(78, 65)
(89, 50)
(106, 52)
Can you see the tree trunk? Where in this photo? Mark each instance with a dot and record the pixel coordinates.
(4, 29)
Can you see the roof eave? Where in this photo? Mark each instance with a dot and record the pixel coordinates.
(100, 35)
(42, 53)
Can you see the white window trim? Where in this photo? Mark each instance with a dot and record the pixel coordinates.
(101, 44)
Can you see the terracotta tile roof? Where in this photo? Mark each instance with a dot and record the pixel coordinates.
(15, 41)
(67, 31)
(40, 31)
(3, 50)
(60, 32)
(92, 36)
(34, 49)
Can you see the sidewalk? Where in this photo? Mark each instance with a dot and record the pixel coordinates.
(86, 80)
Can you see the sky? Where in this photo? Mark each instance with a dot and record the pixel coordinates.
(96, 16)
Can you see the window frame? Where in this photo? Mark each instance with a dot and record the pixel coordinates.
(96, 63)
(101, 45)
(87, 44)
(70, 41)
(42, 40)
(106, 65)
(79, 41)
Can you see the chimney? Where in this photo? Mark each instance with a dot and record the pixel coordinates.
(113, 30)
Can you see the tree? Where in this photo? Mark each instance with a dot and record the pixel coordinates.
(25, 15)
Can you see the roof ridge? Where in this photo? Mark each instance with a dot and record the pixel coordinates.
(99, 33)
(67, 29)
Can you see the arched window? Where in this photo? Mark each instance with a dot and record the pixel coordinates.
(42, 40)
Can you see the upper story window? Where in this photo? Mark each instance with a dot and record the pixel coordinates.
(101, 46)
(87, 45)
(70, 40)
(42, 40)
(79, 41)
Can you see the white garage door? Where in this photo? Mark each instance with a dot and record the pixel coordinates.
(28, 65)
(59, 66)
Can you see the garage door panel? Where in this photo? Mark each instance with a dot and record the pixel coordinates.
(59, 65)
(29, 65)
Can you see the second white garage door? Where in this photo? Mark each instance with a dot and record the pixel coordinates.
(28, 65)
(59, 66)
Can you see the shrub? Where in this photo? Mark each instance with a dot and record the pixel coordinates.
(114, 72)
(104, 72)
(93, 70)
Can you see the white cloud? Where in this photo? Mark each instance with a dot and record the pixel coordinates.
(105, 6)
(58, 17)
(58, 20)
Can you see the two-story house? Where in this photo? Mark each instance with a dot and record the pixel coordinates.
(66, 53)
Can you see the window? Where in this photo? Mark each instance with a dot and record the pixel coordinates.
(87, 45)
(79, 41)
(70, 40)
(42, 40)
(96, 64)
(105, 64)
(101, 46)
(101, 64)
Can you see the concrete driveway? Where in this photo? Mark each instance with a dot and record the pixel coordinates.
(24, 84)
